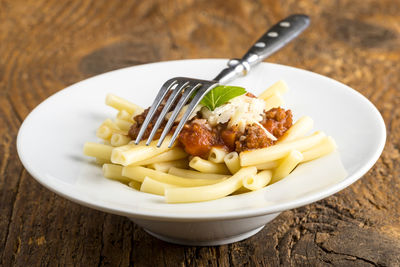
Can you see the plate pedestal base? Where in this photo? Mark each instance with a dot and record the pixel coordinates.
(205, 233)
(218, 242)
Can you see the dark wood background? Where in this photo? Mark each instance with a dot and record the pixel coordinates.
(46, 45)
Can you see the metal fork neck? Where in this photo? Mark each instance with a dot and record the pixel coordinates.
(236, 68)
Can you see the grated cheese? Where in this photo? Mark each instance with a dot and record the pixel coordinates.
(239, 111)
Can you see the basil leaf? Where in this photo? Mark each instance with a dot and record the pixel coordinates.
(221, 95)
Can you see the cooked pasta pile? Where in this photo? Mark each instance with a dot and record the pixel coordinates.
(180, 177)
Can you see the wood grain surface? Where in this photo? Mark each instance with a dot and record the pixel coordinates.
(46, 45)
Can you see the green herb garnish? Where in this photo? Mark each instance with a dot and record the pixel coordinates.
(221, 95)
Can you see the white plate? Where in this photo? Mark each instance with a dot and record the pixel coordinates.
(51, 139)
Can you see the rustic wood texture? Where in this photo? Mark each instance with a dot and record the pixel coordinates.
(46, 45)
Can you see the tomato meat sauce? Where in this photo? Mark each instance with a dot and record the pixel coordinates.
(198, 137)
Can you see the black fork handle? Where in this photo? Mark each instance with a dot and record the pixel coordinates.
(274, 39)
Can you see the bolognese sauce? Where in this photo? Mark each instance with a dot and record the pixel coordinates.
(198, 136)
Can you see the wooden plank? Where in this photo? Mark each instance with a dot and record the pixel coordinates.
(47, 45)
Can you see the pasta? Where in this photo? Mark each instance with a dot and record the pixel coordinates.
(131, 153)
(122, 104)
(165, 166)
(217, 155)
(104, 132)
(119, 139)
(125, 115)
(114, 172)
(279, 86)
(206, 166)
(170, 155)
(97, 150)
(101, 161)
(274, 101)
(195, 174)
(278, 151)
(135, 185)
(326, 146)
(233, 164)
(267, 165)
(123, 124)
(107, 128)
(299, 129)
(138, 173)
(209, 192)
(154, 187)
(287, 165)
(257, 181)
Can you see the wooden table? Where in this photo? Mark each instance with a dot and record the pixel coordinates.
(47, 45)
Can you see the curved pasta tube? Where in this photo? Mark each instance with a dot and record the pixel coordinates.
(278, 151)
(138, 173)
(170, 155)
(165, 166)
(209, 192)
(206, 166)
(267, 165)
(287, 165)
(326, 146)
(195, 174)
(154, 187)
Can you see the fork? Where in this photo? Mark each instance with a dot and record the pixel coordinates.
(275, 38)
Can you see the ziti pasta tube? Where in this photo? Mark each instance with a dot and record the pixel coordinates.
(279, 86)
(97, 150)
(297, 130)
(206, 166)
(217, 155)
(326, 146)
(114, 172)
(232, 162)
(138, 173)
(170, 155)
(287, 165)
(278, 151)
(195, 174)
(152, 186)
(209, 192)
(257, 181)
(131, 153)
(120, 103)
(165, 166)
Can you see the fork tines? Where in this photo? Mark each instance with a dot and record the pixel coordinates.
(183, 87)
